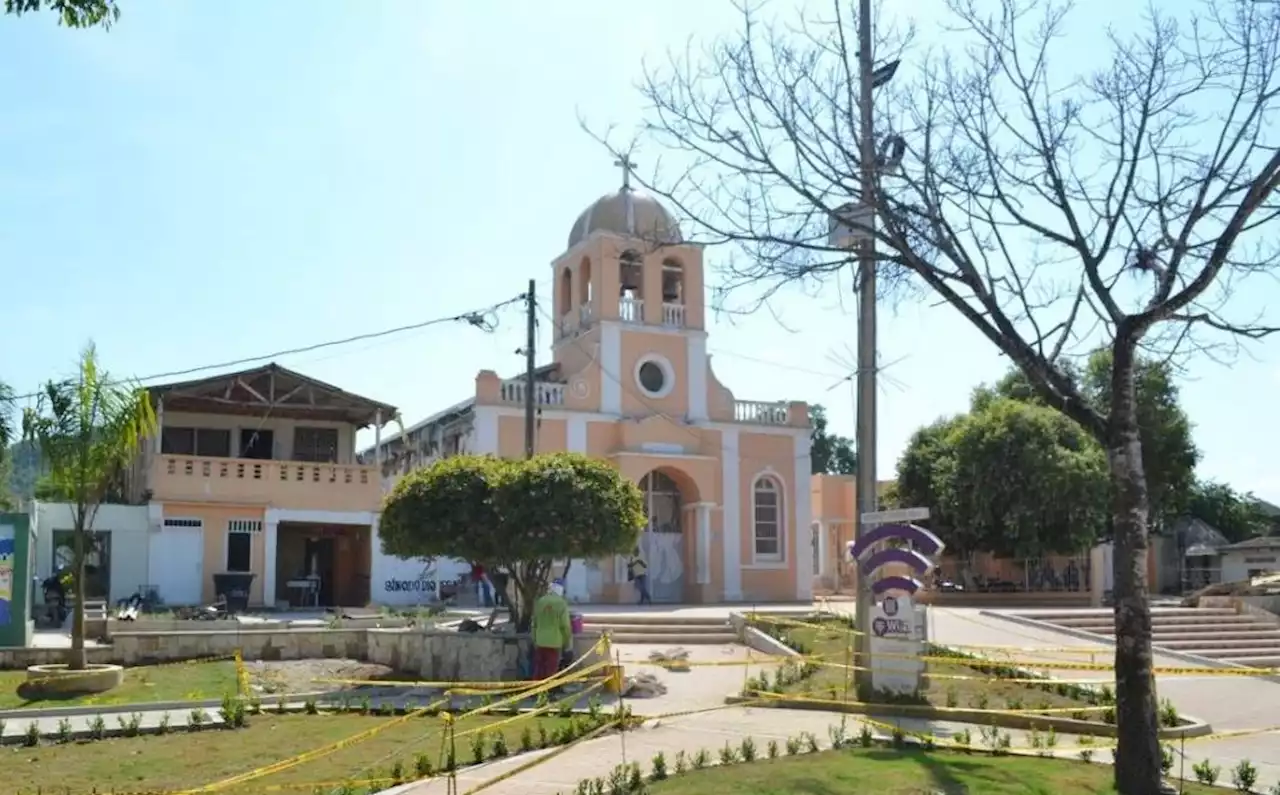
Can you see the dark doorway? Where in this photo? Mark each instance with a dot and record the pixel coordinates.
(256, 444)
(318, 554)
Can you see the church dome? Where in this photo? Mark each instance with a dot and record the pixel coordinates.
(628, 212)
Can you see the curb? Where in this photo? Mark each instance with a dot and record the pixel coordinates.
(1197, 660)
(1028, 722)
(90, 710)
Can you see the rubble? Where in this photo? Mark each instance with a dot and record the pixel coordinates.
(643, 686)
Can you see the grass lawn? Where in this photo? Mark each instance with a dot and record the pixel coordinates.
(193, 682)
(976, 690)
(185, 759)
(887, 772)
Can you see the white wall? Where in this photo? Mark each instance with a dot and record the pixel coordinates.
(1237, 563)
(128, 526)
(398, 582)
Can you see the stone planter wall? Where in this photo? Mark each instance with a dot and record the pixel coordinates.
(429, 654)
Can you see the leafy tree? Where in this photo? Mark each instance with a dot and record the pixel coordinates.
(522, 515)
(830, 453)
(72, 13)
(1052, 201)
(89, 428)
(1238, 516)
(1020, 480)
(918, 470)
(1169, 454)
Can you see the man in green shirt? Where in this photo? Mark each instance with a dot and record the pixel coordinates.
(552, 631)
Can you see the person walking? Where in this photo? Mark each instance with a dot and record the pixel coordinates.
(638, 573)
(552, 631)
(484, 588)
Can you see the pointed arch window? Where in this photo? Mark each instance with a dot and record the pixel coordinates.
(768, 531)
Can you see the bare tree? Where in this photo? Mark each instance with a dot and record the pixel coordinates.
(1057, 209)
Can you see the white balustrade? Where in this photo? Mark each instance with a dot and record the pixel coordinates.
(631, 310)
(546, 394)
(673, 315)
(759, 412)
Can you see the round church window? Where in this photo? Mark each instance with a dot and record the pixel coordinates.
(654, 377)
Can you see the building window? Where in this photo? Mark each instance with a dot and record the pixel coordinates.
(767, 519)
(655, 376)
(211, 442)
(239, 546)
(316, 445)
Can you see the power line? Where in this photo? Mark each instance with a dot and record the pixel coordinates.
(480, 318)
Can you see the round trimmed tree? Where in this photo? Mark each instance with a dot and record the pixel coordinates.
(519, 514)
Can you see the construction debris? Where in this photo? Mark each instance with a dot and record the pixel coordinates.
(674, 659)
(643, 686)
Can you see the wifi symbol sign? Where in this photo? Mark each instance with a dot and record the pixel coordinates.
(922, 544)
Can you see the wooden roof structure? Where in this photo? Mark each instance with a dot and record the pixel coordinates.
(271, 390)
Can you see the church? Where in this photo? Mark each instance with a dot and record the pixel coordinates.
(726, 481)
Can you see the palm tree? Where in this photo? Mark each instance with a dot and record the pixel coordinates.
(88, 429)
(6, 419)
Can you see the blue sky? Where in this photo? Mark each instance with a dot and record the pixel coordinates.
(209, 181)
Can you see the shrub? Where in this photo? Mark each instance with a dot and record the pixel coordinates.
(792, 746)
(280, 705)
(1206, 772)
(1166, 759)
(700, 759)
(526, 739)
(953, 698)
(1168, 714)
(422, 766)
(659, 764)
(810, 742)
(196, 719)
(477, 747)
(865, 737)
(728, 754)
(163, 726)
(397, 771)
(1244, 776)
(543, 739)
(309, 706)
(682, 762)
(31, 737)
(771, 750)
(97, 727)
(63, 734)
(747, 749)
(500, 749)
(1086, 749)
(635, 780)
(131, 726)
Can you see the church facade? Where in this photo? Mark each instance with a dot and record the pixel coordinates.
(726, 480)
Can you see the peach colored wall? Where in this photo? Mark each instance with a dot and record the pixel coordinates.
(282, 484)
(215, 518)
(672, 347)
(772, 454)
(549, 436)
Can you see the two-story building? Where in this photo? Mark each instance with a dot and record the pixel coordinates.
(250, 472)
(726, 481)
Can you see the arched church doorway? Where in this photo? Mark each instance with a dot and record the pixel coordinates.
(662, 542)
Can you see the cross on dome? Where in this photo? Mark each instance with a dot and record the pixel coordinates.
(627, 165)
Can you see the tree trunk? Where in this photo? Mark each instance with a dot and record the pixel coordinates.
(76, 658)
(1137, 769)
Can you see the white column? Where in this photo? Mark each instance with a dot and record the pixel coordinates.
(820, 531)
(270, 528)
(611, 367)
(485, 424)
(377, 441)
(732, 530)
(803, 509)
(704, 542)
(697, 355)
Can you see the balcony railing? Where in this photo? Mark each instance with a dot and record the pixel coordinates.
(513, 391)
(631, 310)
(285, 484)
(673, 315)
(760, 413)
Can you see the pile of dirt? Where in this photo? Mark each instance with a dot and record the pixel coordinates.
(306, 676)
(643, 686)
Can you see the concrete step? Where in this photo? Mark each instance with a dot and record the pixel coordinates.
(1235, 654)
(688, 639)
(1163, 623)
(1218, 642)
(650, 619)
(1261, 661)
(660, 629)
(1243, 632)
(1156, 613)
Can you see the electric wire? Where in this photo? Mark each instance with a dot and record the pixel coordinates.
(479, 318)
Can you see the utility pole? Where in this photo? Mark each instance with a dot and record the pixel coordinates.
(530, 386)
(866, 420)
